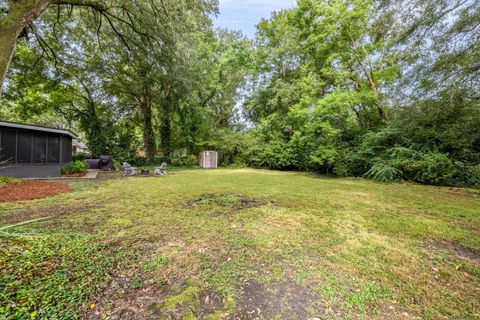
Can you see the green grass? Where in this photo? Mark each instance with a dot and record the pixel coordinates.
(172, 246)
(6, 180)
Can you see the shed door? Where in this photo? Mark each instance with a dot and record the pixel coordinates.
(208, 155)
(213, 159)
(210, 159)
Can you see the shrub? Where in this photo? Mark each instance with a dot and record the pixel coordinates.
(473, 176)
(183, 159)
(143, 161)
(428, 168)
(79, 156)
(467, 176)
(384, 173)
(437, 169)
(273, 155)
(75, 167)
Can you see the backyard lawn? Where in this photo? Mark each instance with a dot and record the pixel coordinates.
(242, 244)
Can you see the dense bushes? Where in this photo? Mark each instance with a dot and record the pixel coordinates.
(423, 167)
(80, 156)
(175, 159)
(273, 155)
(182, 158)
(379, 162)
(434, 142)
(75, 167)
(143, 161)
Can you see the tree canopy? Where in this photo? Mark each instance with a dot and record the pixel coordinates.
(387, 90)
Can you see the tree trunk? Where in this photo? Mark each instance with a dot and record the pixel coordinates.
(20, 14)
(165, 125)
(166, 134)
(148, 134)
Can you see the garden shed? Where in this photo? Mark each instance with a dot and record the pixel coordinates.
(209, 159)
(30, 151)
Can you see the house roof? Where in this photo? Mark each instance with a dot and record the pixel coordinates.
(36, 128)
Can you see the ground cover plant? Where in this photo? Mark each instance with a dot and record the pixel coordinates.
(242, 244)
(7, 180)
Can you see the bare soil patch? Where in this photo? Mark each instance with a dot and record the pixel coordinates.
(128, 303)
(283, 298)
(454, 248)
(227, 202)
(149, 300)
(29, 190)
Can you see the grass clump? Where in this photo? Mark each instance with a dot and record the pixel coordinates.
(155, 264)
(7, 180)
(188, 298)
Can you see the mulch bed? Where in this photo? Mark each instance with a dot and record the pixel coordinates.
(74, 175)
(29, 190)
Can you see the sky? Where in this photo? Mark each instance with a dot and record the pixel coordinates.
(243, 15)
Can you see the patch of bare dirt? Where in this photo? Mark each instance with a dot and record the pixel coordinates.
(29, 190)
(393, 311)
(227, 203)
(123, 300)
(129, 303)
(210, 302)
(285, 298)
(454, 248)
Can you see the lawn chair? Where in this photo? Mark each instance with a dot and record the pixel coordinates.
(162, 170)
(128, 169)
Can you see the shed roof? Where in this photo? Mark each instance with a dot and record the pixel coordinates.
(36, 128)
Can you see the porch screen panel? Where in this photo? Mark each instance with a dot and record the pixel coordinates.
(39, 148)
(24, 147)
(8, 142)
(66, 149)
(53, 149)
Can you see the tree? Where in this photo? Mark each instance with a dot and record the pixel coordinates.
(18, 15)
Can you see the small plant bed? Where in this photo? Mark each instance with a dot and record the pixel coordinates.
(74, 175)
(29, 190)
(75, 169)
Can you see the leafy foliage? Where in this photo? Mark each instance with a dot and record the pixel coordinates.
(78, 166)
(329, 86)
(6, 180)
(49, 275)
(383, 173)
(326, 99)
